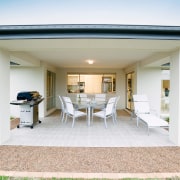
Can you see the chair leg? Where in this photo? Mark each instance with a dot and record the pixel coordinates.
(116, 116)
(113, 118)
(62, 117)
(73, 122)
(88, 116)
(137, 121)
(92, 117)
(148, 130)
(66, 118)
(105, 123)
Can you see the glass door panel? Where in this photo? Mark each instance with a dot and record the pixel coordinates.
(129, 90)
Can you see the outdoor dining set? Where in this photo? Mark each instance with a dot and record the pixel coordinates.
(104, 108)
(97, 106)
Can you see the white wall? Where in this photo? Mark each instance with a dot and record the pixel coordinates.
(174, 130)
(29, 79)
(4, 97)
(26, 79)
(61, 85)
(149, 83)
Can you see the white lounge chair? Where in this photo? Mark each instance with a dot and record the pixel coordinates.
(142, 112)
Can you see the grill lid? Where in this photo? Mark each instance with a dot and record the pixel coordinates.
(28, 95)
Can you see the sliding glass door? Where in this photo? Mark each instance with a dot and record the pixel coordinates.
(129, 90)
(50, 96)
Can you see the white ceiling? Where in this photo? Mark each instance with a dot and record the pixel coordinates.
(73, 53)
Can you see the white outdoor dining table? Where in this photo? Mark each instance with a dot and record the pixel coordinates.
(89, 105)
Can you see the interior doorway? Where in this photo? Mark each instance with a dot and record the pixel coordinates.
(129, 90)
(165, 90)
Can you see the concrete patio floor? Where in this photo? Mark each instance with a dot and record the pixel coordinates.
(52, 132)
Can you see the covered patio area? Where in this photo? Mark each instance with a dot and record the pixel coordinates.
(52, 132)
(44, 55)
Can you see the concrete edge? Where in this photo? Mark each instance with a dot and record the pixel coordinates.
(88, 175)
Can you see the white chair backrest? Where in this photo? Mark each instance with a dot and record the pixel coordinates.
(110, 106)
(112, 100)
(82, 96)
(117, 99)
(100, 97)
(141, 104)
(62, 103)
(69, 105)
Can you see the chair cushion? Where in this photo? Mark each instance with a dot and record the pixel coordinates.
(100, 114)
(79, 113)
(153, 121)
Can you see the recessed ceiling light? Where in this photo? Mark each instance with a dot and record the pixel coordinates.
(90, 61)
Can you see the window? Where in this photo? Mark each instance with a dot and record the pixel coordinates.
(91, 83)
(51, 77)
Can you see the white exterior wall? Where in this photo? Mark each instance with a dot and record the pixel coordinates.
(149, 83)
(174, 130)
(29, 79)
(61, 85)
(4, 96)
(26, 79)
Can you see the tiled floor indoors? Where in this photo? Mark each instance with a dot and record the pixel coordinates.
(52, 132)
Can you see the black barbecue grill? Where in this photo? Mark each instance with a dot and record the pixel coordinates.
(28, 102)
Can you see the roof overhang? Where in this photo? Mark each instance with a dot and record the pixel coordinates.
(70, 45)
(74, 31)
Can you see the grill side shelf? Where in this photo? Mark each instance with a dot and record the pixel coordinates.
(24, 102)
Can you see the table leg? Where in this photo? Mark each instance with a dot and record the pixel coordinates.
(89, 115)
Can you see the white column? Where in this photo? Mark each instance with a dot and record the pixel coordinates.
(4, 96)
(174, 130)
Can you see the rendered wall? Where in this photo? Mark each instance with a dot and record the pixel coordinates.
(26, 79)
(149, 83)
(174, 130)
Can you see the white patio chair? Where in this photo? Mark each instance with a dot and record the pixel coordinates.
(81, 97)
(71, 111)
(100, 97)
(106, 112)
(142, 112)
(63, 109)
(115, 108)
